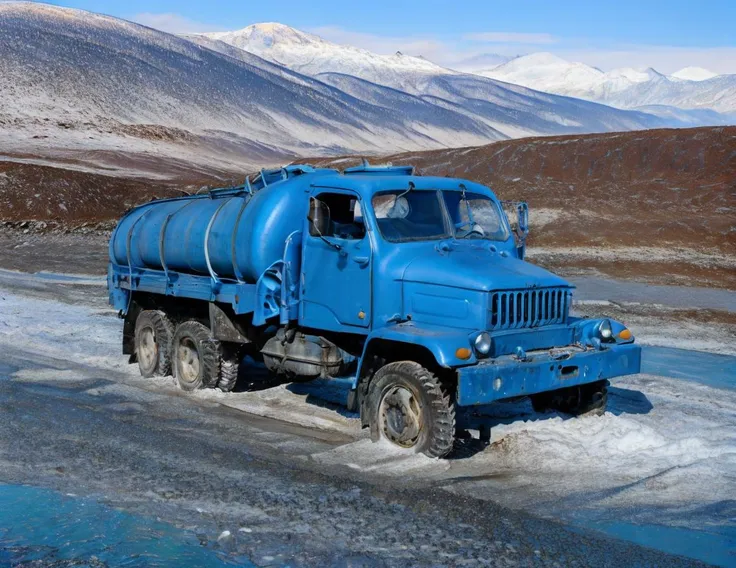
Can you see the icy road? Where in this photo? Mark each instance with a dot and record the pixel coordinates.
(284, 475)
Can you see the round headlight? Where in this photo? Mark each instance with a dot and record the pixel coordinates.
(483, 343)
(604, 330)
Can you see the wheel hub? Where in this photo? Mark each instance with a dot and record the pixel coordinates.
(400, 417)
(147, 348)
(188, 357)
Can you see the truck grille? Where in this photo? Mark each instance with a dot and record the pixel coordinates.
(514, 309)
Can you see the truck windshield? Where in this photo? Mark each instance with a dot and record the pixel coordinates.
(418, 215)
(475, 216)
(410, 215)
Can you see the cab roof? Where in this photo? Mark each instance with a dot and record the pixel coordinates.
(368, 185)
(368, 180)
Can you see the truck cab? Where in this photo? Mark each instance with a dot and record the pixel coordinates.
(416, 289)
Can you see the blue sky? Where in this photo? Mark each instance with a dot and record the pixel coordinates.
(667, 35)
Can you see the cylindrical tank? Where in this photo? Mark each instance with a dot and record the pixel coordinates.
(246, 233)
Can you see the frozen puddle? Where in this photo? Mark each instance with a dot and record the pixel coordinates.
(88, 533)
(712, 369)
(661, 461)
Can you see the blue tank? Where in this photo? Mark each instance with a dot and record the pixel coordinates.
(243, 229)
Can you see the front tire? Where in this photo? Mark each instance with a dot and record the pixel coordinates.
(410, 408)
(153, 333)
(196, 356)
(583, 400)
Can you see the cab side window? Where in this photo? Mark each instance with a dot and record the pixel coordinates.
(336, 215)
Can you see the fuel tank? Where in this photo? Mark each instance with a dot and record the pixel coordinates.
(243, 230)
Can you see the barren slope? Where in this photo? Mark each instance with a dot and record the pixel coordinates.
(659, 187)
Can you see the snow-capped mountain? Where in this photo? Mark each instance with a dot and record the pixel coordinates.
(512, 110)
(311, 55)
(689, 88)
(694, 74)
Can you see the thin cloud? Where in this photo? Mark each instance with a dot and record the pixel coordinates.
(174, 23)
(665, 59)
(384, 45)
(511, 37)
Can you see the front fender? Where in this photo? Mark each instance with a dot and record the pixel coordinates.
(441, 342)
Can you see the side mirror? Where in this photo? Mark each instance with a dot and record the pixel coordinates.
(522, 211)
(320, 222)
(319, 218)
(518, 214)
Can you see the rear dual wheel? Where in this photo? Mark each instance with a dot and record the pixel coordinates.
(153, 333)
(202, 362)
(186, 351)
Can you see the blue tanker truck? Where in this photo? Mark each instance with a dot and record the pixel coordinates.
(414, 288)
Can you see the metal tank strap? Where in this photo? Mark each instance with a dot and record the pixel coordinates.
(162, 241)
(129, 257)
(233, 244)
(215, 278)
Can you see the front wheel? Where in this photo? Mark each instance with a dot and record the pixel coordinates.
(583, 400)
(410, 408)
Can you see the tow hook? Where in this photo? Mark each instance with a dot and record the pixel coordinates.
(520, 354)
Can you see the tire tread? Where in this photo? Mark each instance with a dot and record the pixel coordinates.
(163, 328)
(442, 434)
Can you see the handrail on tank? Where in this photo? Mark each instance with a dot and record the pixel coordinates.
(225, 191)
(263, 178)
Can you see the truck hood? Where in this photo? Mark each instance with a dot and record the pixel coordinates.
(478, 269)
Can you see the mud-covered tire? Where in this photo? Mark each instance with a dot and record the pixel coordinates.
(152, 343)
(229, 367)
(196, 357)
(409, 406)
(583, 400)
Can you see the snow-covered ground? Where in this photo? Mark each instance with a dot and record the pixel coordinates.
(664, 455)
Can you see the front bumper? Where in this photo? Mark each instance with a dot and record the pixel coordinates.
(507, 376)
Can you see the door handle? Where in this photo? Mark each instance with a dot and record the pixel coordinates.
(361, 260)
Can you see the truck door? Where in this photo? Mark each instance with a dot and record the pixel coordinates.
(336, 263)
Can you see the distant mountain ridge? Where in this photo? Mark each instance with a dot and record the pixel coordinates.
(689, 88)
